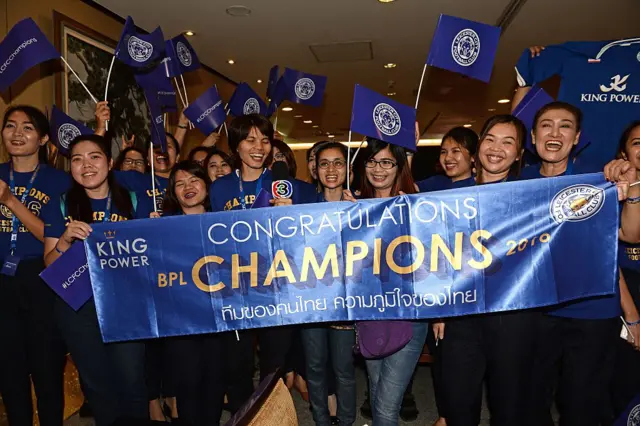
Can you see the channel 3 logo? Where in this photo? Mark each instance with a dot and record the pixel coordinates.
(282, 189)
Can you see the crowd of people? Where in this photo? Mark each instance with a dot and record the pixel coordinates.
(570, 355)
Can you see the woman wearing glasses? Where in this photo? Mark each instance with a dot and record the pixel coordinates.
(331, 345)
(282, 152)
(132, 159)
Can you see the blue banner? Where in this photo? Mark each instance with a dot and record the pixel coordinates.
(489, 248)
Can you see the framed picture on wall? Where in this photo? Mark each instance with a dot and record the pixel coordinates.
(89, 53)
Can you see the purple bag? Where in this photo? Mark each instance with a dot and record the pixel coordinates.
(378, 339)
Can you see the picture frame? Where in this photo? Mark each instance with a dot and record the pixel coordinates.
(90, 54)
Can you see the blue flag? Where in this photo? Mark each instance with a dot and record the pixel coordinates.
(156, 115)
(181, 57)
(139, 50)
(379, 117)
(526, 110)
(631, 415)
(431, 255)
(246, 101)
(207, 112)
(303, 88)
(279, 95)
(273, 80)
(156, 83)
(69, 276)
(64, 129)
(464, 46)
(24, 47)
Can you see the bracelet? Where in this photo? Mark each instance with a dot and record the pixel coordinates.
(633, 200)
(632, 323)
(183, 127)
(58, 250)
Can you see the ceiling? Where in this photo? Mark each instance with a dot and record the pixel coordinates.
(295, 33)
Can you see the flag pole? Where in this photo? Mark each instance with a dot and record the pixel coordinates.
(275, 122)
(349, 162)
(224, 123)
(106, 88)
(424, 70)
(153, 178)
(74, 73)
(353, 160)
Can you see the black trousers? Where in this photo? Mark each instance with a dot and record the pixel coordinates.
(198, 365)
(496, 348)
(572, 353)
(31, 345)
(239, 363)
(436, 372)
(158, 369)
(275, 343)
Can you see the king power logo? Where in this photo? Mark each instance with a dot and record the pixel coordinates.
(613, 92)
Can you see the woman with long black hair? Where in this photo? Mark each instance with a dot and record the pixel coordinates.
(31, 343)
(492, 348)
(113, 374)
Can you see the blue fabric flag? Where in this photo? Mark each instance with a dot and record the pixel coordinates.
(464, 46)
(139, 50)
(246, 101)
(207, 112)
(158, 136)
(156, 81)
(24, 47)
(303, 88)
(64, 129)
(69, 276)
(273, 80)
(432, 255)
(379, 117)
(526, 110)
(279, 95)
(631, 415)
(181, 57)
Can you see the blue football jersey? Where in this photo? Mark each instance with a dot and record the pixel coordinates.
(601, 78)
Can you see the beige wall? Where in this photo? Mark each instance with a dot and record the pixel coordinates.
(37, 86)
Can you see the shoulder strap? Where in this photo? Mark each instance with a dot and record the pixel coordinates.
(63, 205)
(134, 201)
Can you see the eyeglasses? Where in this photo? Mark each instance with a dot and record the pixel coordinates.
(279, 157)
(200, 162)
(338, 164)
(385, 164)
(131, 162)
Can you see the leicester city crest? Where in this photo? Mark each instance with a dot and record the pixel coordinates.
(305, 88)
(184, 55)
(251, 106)
(387, 119)
(634, 416)
(66, 133)
(139, 50)
(465, 48)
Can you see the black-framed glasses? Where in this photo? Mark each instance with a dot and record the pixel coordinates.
(385, 164)
(132, 162)
(279, 157)
(338, 164)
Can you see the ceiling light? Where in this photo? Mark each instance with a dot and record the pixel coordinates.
(491, 109)
(315, 126)
(287, 109)
(386, 1)
(189, 33)
(259, 81)
(307, 121)
(504, 101)
(390, 65)
(330, 136)
(467, 125)
(238, 11)
(231, 61)
(391, 94)
(297, 116)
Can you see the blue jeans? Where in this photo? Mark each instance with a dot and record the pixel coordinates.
(319, 343)
(113, 373)
(390, 376)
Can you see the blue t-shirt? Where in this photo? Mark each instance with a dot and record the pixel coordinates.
(594, 307)
(55, 221)
(607, 92)
(47, 187)
(442, 182)
(224, 192)
(141, 184)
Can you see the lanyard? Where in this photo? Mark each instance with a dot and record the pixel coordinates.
(15, 222)
(243, 203)
(107, 210)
